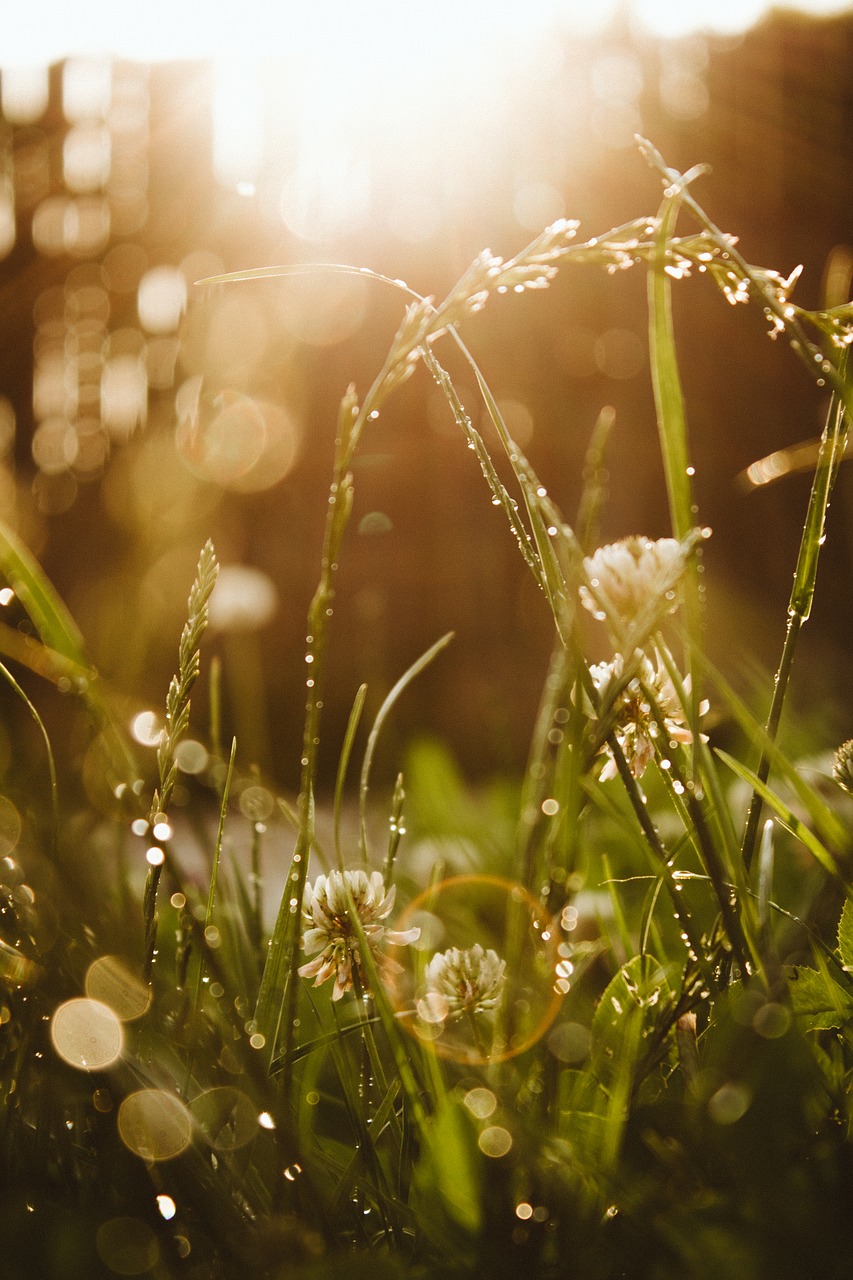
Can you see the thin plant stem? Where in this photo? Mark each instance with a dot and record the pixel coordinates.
(832, 446)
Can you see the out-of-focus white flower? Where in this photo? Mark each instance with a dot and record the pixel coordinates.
(842, 766)
(244, 599)
(329, 930)
(635, 725)
(462, 981)
(634, 580)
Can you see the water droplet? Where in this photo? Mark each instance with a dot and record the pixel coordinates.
(167, 1207)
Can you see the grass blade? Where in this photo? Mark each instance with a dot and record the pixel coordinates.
(51, 764)
(405, 680)
(785, 814)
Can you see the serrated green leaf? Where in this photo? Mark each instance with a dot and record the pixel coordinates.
(817, 1001)
(845, 934)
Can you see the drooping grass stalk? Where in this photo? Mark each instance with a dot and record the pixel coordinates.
(765, 286)
(177, 722)
(531, 554)
(832, 447)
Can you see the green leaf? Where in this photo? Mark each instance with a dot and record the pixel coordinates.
(817, 1001)
(845, 934)
(640, 987)
(449, 1173)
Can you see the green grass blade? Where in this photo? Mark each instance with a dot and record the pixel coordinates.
(52, 620)
(51, 763)
(343, 764)
(784, 813)
(64, 653)
(666, 381)
(402, 684)
(832, 446)
(827, 823)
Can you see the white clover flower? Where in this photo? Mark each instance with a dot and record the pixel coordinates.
(633, 580)
(462, 981)
(635, 726)
(329, 931)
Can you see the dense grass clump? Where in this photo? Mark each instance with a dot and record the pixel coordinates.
(593, 1023)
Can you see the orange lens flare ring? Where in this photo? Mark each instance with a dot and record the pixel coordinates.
(498, 916)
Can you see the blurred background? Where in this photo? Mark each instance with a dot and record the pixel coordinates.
(141, 413)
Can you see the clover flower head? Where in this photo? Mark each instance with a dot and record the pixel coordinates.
(462, 981)
(635, 725)
(633, 579)
(330, 933)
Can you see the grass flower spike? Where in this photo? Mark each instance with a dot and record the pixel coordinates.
(633, 579)
(328, 930)
(842, 768)
(635, 723)
(463, 981)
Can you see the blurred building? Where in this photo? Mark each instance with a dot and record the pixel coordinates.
(141, 412)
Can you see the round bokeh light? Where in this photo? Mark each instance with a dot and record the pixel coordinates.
(86, 1034)
(154, 1125)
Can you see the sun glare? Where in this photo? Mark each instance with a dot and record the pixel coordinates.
(354, 37)
(343, 85)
